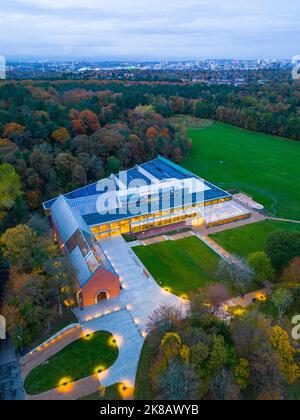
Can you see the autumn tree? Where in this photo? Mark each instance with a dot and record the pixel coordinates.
(10, 188)
(292, 273)
(61, 135)
(242, 374)
(18, 244)
(281, 344)
(90, 121)
(12, 128)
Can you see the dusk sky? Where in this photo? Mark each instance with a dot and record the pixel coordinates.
(150, 29)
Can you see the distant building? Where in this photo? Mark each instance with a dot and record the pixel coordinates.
(155, 194)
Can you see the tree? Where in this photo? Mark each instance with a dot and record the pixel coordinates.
(223, 386)
(242, 373)
(282, 299)
(113, 165)
(171, 345)
(292, 273)
(10, 188)
(178, 382)
(261, 265)
(18, 244)
(61, 135)
(163, 320)
(218, 293)
(15, 324)
(251, 337)
(281, 343)
(240, 274)
(219, 355)
(12, 128)
(90, 121)
(282, 247)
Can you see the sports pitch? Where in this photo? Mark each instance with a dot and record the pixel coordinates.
(266, 167)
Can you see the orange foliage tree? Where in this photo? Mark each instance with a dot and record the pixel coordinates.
(12, 128)
(90, 120)
(61, 135)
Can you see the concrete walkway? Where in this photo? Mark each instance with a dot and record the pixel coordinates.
(229, 258)
(278, 219)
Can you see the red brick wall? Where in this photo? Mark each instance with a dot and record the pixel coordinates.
(102, 280)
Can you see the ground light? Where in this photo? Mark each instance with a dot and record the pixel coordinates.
(99, 370)
(126, 391)
(112, 342)
(65, 385)
(261, 297)
(88, 335)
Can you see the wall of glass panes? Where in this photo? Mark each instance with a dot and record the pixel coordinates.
(144, 222)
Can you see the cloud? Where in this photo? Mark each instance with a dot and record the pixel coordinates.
(149, 28)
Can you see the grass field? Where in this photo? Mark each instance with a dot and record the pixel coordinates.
(77, 361)
(181, 266)
(250, 238)
(143, 390)
(263, 166)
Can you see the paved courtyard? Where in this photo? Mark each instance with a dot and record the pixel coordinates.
(140, 294)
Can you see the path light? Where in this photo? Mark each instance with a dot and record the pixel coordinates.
(184, 297)
(261, 297)
(126, 390)
(99, 370)
(88, 335)
(65, 385)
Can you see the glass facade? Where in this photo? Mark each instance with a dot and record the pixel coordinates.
(145, 222)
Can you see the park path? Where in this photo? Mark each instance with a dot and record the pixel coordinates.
(226, 256)
(43, 353)
(278, 219)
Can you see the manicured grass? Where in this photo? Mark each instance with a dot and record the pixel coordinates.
(78, 360)
(182, 266)
(143, 390)
(264, 166)
(250, 238)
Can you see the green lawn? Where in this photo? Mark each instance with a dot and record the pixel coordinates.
(182, 266)
(264, 166)
(250, 238)
(78, 360)
(143, 390)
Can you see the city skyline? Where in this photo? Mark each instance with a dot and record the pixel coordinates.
(132, 30)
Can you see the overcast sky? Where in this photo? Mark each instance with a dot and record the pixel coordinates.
(150, 29)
